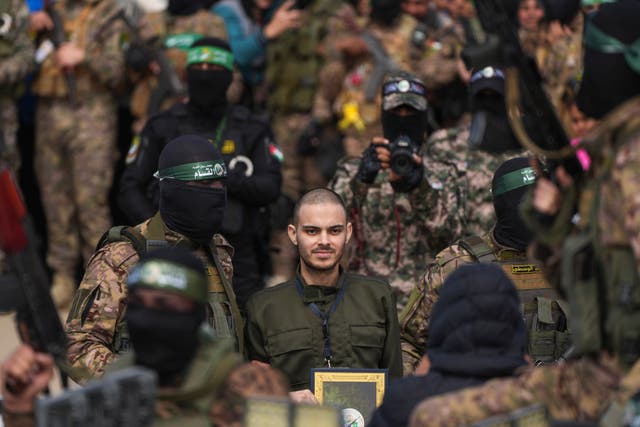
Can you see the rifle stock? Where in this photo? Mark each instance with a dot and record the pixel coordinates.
(169, 84)
(36, 316)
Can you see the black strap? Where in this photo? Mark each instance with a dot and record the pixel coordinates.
(324, 317)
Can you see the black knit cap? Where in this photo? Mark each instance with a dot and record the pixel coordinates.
(477, 317)
(608, 80)
(188, 149)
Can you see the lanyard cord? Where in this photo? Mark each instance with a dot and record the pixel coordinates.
(324, 317)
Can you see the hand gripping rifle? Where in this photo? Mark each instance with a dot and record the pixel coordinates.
(169, 83)
(524, 92)
(58, 38)
(26, 290)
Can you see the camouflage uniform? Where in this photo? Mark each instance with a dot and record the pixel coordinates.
(396, 234)
(16, 59)
(177, 33)
(95, 327)
(610, 216)
(293, 63)
(475, 169)
(578, 390)
(437, 59)
(75, 144)
(414, 320)
(358, 117)
(16, 53)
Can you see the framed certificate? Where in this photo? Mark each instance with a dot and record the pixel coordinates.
(358, 392)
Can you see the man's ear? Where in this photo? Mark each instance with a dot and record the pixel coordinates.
(349, 231)
(291, 231)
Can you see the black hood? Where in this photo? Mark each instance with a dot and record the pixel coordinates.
(476, 327)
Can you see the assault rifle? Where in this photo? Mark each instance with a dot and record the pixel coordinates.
(169, 83)
(58, 38)
(121, 399)
(524, 91)
(26, 290)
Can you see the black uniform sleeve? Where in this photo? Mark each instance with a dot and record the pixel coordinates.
(134, 198)
(263, 186)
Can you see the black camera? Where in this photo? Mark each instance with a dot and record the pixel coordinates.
(402, 150)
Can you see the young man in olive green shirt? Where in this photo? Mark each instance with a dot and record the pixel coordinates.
(324, 317)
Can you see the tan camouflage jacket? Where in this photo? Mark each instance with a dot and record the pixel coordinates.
(414, 319)
(475, 169)
(89, 26)
(16, 50)
(581, 389)
(99, 305)
(396, 234)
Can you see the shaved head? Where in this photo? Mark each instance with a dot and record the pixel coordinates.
(318, 196)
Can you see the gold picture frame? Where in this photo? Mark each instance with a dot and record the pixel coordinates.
(358, 392)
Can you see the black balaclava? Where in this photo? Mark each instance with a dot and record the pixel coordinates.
(510, 183)
(208, 88)
(184, 7)
(192, 210)
(165, 340)
(385, 12)
(476, 328)
(490, 130)
(414, 125)
(608, 79)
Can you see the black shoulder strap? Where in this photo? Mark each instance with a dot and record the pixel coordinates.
(478, 248)
(124, 233)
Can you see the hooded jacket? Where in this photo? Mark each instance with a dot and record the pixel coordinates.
(476, 333)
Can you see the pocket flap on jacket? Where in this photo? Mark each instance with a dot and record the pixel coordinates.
(287, 341)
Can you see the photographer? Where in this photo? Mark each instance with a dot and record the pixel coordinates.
(403, 204)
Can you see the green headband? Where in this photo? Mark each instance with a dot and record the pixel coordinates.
(602, 42)
(195, 171)
(210, 55)
(168, 276)
(512, 180)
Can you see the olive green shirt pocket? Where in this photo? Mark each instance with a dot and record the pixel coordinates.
(291, 352)
(367, 342)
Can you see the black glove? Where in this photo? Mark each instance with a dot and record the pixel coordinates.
(138, 56)
(409, 182)
(369, 165)
(309, 139)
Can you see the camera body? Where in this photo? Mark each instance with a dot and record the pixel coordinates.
(402, 150)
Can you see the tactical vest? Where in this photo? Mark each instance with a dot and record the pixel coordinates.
(601, 281)
(548, 334)
(293, 62)
(223, 314)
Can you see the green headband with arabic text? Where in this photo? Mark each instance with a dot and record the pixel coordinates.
(210, 55)
(512, 180)
(197, 171)
(169, 276)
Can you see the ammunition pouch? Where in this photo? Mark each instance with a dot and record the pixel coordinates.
(622, 326)
(549, 336)
(579, 281)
